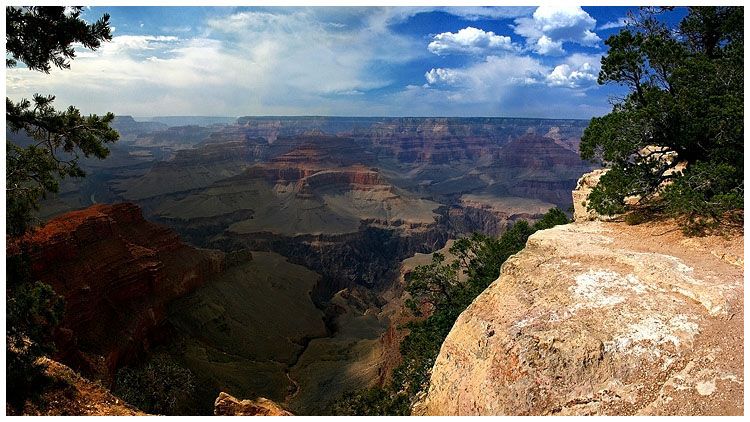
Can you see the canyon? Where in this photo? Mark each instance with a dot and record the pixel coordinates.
(217, 226)
(322, 190)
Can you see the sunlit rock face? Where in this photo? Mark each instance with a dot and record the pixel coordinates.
(599, 318)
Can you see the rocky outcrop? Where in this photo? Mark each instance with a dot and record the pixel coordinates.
(581, 194)
(117, 272)
(69, 394)
(227, 405)
(598, 318)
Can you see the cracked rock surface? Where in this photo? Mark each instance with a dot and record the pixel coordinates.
(598, 318)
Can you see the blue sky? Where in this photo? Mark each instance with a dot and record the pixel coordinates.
(357, 61)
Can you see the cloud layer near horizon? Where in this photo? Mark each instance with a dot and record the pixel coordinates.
(337, 61)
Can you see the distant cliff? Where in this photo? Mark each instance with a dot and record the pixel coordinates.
(596, 318)
(129, 128)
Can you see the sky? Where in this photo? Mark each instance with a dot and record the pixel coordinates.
(342, 61)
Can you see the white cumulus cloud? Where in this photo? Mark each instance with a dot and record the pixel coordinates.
(485, 80)
(435, 76)
(579, 71)
(470, 40)
(545, 45)
(550, 26)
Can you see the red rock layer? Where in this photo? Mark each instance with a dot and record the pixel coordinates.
(317, 152)
(117, 273)
(354, 177)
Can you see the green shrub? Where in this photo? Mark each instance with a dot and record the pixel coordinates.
(375, 401)
(635, 218)
(33, 312)
(160, 386)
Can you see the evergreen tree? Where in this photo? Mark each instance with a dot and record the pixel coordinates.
(685, 105)
(41, 37)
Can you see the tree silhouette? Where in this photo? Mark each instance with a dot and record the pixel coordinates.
(41, 37)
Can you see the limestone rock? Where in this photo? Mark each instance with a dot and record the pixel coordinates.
(581, 195)
(227, 405)
(599, 318)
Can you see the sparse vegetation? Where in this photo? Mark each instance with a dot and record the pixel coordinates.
(676, 140)
(634, 218)
(441, 290)
(160, 387)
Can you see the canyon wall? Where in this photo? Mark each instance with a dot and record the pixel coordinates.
(117, 272)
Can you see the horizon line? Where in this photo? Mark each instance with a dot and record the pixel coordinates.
(343, 116)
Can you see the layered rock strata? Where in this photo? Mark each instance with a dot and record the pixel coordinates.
(492, 216)
(533, 166)
(117, 272)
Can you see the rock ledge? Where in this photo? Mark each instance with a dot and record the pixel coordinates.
(599, 318)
